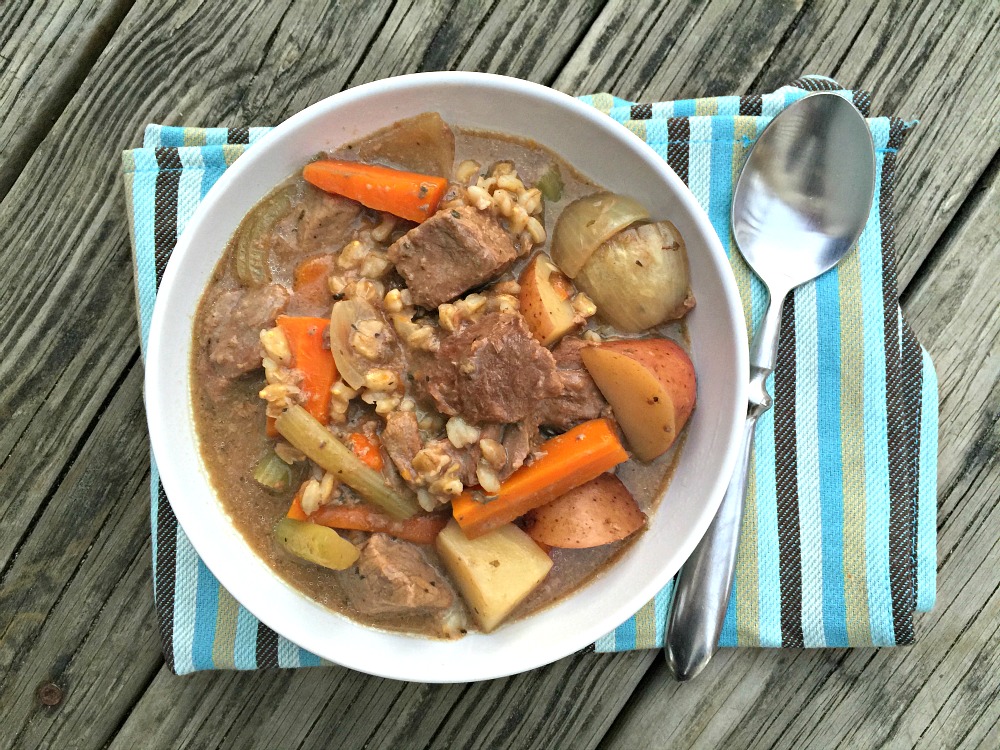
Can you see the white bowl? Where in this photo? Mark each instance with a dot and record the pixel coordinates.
(607, 153)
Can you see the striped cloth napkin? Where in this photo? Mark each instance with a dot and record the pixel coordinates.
(838, 545)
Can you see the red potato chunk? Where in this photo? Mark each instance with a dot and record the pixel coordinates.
(650, 384)
(594, 514)
(545, 301)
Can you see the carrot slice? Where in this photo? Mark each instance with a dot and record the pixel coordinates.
(407, 194)
(569, 460)
(305, 340)
(295, 511)
(270, 429)
(366, 449)
(419, 529)
(313, 271)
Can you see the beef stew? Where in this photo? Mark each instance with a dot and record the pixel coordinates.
(394, 359)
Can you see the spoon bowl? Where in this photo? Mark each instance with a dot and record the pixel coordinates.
(806, 191)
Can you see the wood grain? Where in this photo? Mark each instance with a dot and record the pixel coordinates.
(46, 48)
(76, 604)
(65, 349)
(526, 39)
(651, 51)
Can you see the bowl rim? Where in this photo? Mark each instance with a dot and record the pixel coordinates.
(173, 481)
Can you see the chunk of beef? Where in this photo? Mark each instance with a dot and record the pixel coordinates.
(468, 457)
(233, 324)
(401, 439)
(392, 579)
(450, 253)
(490, 371)
(580, 399)
(327, 222)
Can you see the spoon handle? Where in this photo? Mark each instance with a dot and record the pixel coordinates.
(701, 591)
(703, 586)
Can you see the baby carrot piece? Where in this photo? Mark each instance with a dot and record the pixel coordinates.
(295, 512)
(312, 359)
(419, 529)
(407, 194)
(366, 449)
(569, 460)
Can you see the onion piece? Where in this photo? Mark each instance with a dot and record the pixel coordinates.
(639, 278)
(252, 241)
(587, 222)
(343, 320)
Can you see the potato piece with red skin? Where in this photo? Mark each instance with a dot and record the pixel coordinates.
(650, 384)
(545, 301)
(594, 514)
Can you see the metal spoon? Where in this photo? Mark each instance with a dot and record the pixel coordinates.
(801, 202)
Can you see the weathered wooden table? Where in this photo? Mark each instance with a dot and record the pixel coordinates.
(78, 81)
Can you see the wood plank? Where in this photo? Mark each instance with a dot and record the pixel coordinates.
(335, 707)
(571, 703)
(76, 605)
(66, 348)
(281, 708)
(46, 49)
(933, 60)
(310, 54)
(653, 51)
(935, 693)
(527, 39)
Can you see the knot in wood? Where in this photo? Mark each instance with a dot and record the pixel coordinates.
(49, 694)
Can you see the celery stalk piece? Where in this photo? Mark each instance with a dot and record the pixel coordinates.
(305, 432)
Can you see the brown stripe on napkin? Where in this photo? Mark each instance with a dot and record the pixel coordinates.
(901, 466)
(678, 148)
(787, 482)
(166, 562)
(238, 135)
(168, 178)
(267, 646)
(863, 101)
(913, 387)
(641, 112)
(752, 105)
(815, 84)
